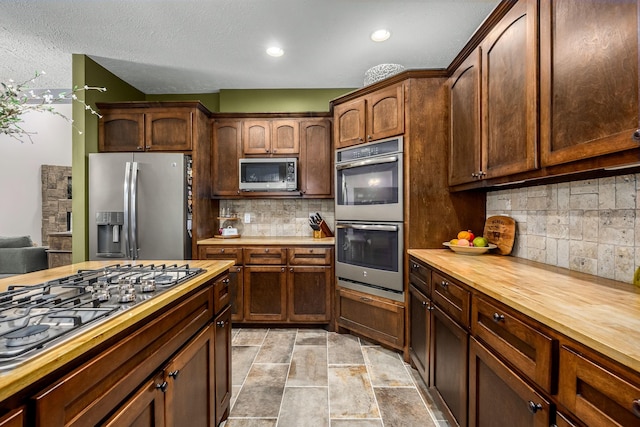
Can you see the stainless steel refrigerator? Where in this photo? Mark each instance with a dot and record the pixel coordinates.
(139, 206)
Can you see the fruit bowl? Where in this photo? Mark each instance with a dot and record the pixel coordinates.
(469, 250)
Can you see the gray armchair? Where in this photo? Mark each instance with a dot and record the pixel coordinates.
(19, 256)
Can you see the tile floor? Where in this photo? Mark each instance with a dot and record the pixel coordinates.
(311, 377)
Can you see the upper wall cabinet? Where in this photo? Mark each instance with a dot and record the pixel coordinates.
(306, 136)
(509, 93)
(145, 129)
(226, 152)
(270, 137)
(464, 104)
(316, 155)
(493, 102)
(371, 117)
(588, 78)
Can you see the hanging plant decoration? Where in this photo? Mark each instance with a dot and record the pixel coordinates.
(17, 99)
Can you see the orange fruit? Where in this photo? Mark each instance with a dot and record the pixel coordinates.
(463, 235)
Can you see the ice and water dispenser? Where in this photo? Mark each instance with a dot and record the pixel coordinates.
(110, 234)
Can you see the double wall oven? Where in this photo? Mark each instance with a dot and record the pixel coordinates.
(369, 218)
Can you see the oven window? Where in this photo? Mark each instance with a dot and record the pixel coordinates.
(375, 249)
(375, 184)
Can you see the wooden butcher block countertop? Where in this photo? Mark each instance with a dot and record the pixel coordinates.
(58, 355)
(268, 240)
(600, 313)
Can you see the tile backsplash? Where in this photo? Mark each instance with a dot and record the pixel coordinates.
(591, 226)
(277, 217)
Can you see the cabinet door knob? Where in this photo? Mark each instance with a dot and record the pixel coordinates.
(174, 374)
(444, 284)
(291, 269)
(222, 251)
(369, 137)
(266, 250)
(162, 386)
(636, 135)
(635, 408)
(225, 281)
(220, 323)
(534, 407)
(498, 317)
(282, 269)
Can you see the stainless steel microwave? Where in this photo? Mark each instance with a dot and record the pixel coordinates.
(269, 174)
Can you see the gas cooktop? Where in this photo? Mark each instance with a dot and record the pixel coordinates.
(33, 317)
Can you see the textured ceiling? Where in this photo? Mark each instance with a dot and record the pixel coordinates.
(202, 46)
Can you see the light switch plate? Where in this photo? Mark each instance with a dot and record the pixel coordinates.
(247, 218)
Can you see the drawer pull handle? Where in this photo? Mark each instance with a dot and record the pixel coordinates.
(174, 374)
(498, 317)
(635, 408)
(163, 386)
(534, 407)
(365, 299)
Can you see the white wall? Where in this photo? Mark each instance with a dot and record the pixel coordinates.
(20, 183)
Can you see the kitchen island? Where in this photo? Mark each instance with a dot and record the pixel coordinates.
(126, 363)
(548, 342)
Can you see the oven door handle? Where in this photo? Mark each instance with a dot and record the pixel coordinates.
(374, 227)
(379, 161)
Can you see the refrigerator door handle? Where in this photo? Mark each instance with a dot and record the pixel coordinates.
(134, 211)
(125, 226)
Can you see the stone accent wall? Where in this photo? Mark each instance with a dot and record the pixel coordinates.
(591, 226)
(56, 200)
(278, 217)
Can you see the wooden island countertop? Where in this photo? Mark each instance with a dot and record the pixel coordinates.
(59, 354)
(600, 313)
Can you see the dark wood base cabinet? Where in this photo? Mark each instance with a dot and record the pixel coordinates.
(278, 285)
(380, 319)
(14, 418)
(448, 369)
(171, 370)
(497, 395)
(420, 325)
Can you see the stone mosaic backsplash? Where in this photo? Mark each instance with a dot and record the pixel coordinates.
(277, 217)
(591, 226)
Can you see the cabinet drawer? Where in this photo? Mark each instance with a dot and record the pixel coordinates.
(420, 276)
(216, 252)
(310, 256)
(373, 317)
(420, 270)
(267, 255)
(595, 394)
(517, 341)
(451, 297)
(221, 294)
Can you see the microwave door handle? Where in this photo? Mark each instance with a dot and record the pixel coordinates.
(345, 193)
(367, 162)
(375, 227)
(125, 226)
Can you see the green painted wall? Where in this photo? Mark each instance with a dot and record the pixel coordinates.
(277, 100)
(209, 100)
(86, 71)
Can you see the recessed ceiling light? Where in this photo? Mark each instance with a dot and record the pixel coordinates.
(380, 35)
(275, 51)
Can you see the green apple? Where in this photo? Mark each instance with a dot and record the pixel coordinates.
(480, 242)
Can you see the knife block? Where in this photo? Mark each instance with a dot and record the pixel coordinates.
(318, 234)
